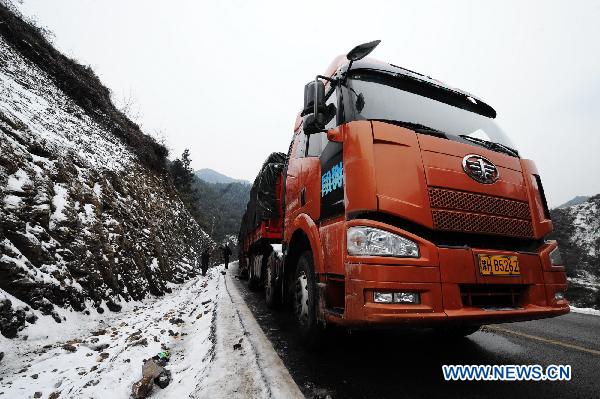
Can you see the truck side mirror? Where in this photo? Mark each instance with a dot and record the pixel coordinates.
(313, 91)
(362, 50)
(314, 107)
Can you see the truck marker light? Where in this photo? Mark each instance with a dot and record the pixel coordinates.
(383, 297)
(559, 295)
(556, 257)
(407, 297)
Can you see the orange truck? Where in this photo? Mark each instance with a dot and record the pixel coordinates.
(401, 202)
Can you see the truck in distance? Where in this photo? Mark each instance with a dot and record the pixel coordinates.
(401, 202)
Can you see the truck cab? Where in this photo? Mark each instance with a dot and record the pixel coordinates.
(405, 203)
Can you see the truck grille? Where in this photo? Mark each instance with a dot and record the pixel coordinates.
(477, 213)
(491, 295)
(484, 224)
(459, 200)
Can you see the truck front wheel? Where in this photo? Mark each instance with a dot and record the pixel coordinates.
(305, 301)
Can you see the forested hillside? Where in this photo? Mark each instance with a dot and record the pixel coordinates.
(217, 207)
(221, 207)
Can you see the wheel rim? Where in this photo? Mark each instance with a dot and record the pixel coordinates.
(268, 283)
(301, 299)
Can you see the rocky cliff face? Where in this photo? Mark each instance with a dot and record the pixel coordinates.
(577, 229)
(84, 223)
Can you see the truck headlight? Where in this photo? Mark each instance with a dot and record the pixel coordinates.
(364, 240)
(556, 257)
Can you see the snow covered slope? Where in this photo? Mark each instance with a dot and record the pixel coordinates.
(577, 229)
(84, 223)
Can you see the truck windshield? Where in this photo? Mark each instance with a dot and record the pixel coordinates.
(424, 108)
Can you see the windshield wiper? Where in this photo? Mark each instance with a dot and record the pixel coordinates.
(417, 127)
(491, 145)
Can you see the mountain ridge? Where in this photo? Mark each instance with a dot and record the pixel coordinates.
(212, 176)
(578, 199)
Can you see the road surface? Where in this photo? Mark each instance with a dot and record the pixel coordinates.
(409, 365)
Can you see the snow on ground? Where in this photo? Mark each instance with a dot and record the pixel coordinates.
(60, 202)
(109, 349)
(591, 311)
(217, 349)
(245, 364)
(586, 279)
(17, 181)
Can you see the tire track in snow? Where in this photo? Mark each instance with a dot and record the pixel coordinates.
(254, 348)
(228, 374)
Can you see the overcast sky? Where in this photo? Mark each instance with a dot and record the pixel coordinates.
(225, 78)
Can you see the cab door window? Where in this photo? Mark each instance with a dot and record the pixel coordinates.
(318, 141)
(316, 144)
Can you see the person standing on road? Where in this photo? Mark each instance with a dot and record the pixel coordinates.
(204, 258)
(226, 253)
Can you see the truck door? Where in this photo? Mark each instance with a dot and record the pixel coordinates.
(311, 176)
(303, 186)
(304, 176)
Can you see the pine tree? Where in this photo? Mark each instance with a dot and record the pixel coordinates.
(183, 177)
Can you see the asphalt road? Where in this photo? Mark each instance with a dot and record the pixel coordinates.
(409, 364)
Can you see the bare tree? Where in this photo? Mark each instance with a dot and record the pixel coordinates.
(128, 105)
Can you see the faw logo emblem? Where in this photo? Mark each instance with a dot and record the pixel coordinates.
(480, 169)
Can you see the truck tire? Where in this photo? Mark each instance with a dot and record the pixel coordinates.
(304, 301)
(271, 287)
(253, 282)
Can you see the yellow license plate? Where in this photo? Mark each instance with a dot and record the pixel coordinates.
(499, 265)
